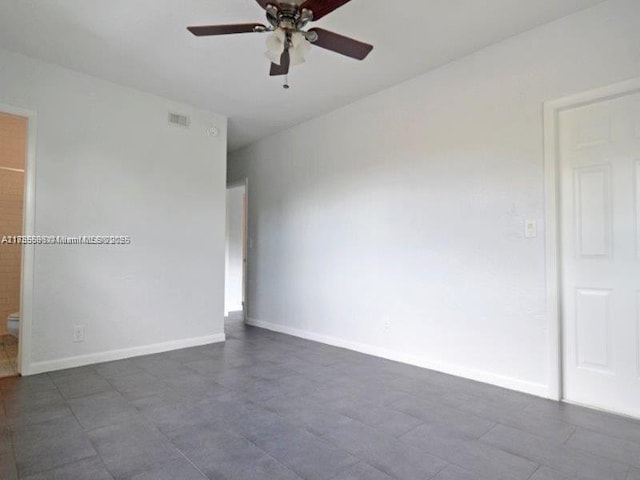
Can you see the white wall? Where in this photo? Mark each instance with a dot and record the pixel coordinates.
(233, 265)
(395, 225)
(107, 162)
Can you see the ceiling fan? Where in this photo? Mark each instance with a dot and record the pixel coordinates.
(289, 42)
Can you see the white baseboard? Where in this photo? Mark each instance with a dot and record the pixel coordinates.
(510, 383)
(82, 360)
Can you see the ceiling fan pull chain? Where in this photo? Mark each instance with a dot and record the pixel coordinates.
(286, 82)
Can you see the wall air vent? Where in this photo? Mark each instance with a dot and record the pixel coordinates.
(179, 120)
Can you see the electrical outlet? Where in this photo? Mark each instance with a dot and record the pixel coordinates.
(78, 333)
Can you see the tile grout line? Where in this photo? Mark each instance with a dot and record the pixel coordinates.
(182, 454)
(422, 423)
(155, 428)
(187, 459)
(495, 425)
(97, 454)
(250, 398)
(440, 471)
(571, 435)
(534, 472)
(498, 424)
(145, 420)
(346, 469)
(322, 437)
(237, 434)
(563, 444)
(597, 455)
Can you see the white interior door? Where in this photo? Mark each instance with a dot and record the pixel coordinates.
(600, 251)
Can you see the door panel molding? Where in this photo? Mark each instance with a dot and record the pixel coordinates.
(593, 329)
(596, 130)
(593, 195)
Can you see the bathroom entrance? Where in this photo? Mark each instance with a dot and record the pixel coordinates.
(13, 154)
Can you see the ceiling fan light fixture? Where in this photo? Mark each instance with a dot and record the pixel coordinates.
(274, 57)
(296, 59)
(300, 47)
(299, 42)
(275, 45)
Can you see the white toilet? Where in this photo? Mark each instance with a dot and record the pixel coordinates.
(13, 324)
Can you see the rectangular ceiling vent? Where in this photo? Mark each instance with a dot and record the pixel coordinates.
(179, 120)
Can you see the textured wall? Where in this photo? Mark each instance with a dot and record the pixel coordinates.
(396, 224)
(108, 163)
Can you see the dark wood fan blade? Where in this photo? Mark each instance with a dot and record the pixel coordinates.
(320, 8)
(209, 30)
(283, 68)
(341, 44)
(264, 3)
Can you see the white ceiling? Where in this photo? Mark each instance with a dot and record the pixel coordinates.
(144, 44)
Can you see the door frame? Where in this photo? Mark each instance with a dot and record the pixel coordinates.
(552, 110)
(28, 229)
(244, 182)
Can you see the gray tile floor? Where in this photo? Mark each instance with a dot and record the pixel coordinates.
(272, 407)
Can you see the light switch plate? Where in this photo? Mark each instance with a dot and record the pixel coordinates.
(530, 229)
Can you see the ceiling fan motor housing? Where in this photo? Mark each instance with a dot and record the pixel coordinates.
(289, 17)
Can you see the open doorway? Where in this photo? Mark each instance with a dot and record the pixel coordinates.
(235, 307)
(13, 155)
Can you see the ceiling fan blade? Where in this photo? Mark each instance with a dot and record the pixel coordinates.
(264, 3)
(209, 30)
(320, 8)
(341, 44)
(283, 68)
